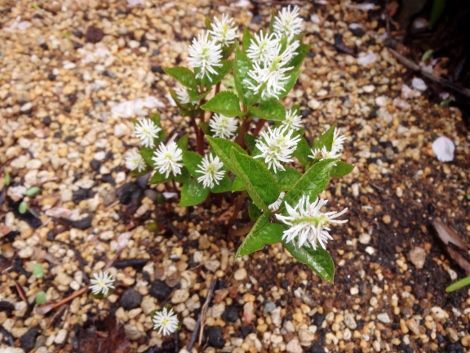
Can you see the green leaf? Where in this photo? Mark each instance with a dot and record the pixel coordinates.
(263, 233)
(458, 284)
(253, 212)
(157, 178)
(6, 179)
(37, 270)
(225, 185)
(290, 83)
(270, 109)
(191, 160)
(326, 139)
(241, 67)
(259, 182)
(302, 151)
(192, 193)
(221, 72)
(302, 52)
(437, 10)
(312, 182)
(341, 169)
(250, 142)
(225, 103)
(41, 298)
(318, 260)
(287, 178)
(183, 75)
(246, 38)
(23, 207)
(222, 148)
(238, 185)
(183, 142)
(147, 154)
(32, 191)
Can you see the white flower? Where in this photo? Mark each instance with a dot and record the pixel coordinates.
(211, 170)
(182, 95)
(223, 30)
(204, 54)
(293, 119)
(168, 159)
(134, 161)
(276, 204)
(336, 147)
(223, 126)
(271, 76)
(146, 130)
(288, 22)
(276, 146)
(101, 283)
(308, 224)
(263, 47)
(165, 321)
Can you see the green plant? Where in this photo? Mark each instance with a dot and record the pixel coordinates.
(246, 141)
(459, 284)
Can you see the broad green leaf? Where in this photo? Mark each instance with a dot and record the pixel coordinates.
(302, 151)
(250, 142)
(270, 109)
(458, 284)
(147, 154)
(287, 178)
(225, 103)
(253, 212)
(222, 148)
(293, 76)
(225, 185)
(241, 67)
(318, 260)
(326, 139)
(341, 169)
(312, 182)
(192, 193)
(259, 182)
(183, 142)
(191, 160)
(263, 233)
(157, 178)
(33, 191)
(246, 38)
(302, 51)
(238, 185)
(185, 109)
(183, 75)
(221, 72)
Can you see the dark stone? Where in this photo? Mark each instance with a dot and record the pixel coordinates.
(231, 313)
(28, 340)
(51, 76)
(134, 263)
(6, 307)
(318, 319)
(160, 290)
(130, 299)
(156, 69)
(94, 34)
(246, 330)
(215, 336)
(126, 192)
(47, 120)
(95, 165)
(340, 46)
(108, 178)
(455, 348)
(357, 31)
(83, 223)
(82, 194)
(317, 347)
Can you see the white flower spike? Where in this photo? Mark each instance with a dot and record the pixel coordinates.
(263, 48)
(211, 170)
(147, 131)
(276, 146)
(288, 22)
(168, 159)
(308, 225)
(182, 95)
(224, 30)
(134, 161)
(336, 147)
(205, 55)
(101, 283)
(223, 126)
(293, 119)
(165, 321)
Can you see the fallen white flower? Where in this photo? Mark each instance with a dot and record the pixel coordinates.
(365, 59)
(418, 84)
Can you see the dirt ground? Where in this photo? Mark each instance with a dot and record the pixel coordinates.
(70, 75)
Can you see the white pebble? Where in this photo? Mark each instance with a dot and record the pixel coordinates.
(444, 149)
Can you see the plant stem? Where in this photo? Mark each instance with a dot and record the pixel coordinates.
(259, 125)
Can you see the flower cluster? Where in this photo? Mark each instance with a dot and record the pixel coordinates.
(336, 147)
(101, 283)
(272, 53)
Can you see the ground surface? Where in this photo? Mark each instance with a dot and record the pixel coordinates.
(65, 70)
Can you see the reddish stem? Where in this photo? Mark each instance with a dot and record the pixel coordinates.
(259, 125)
